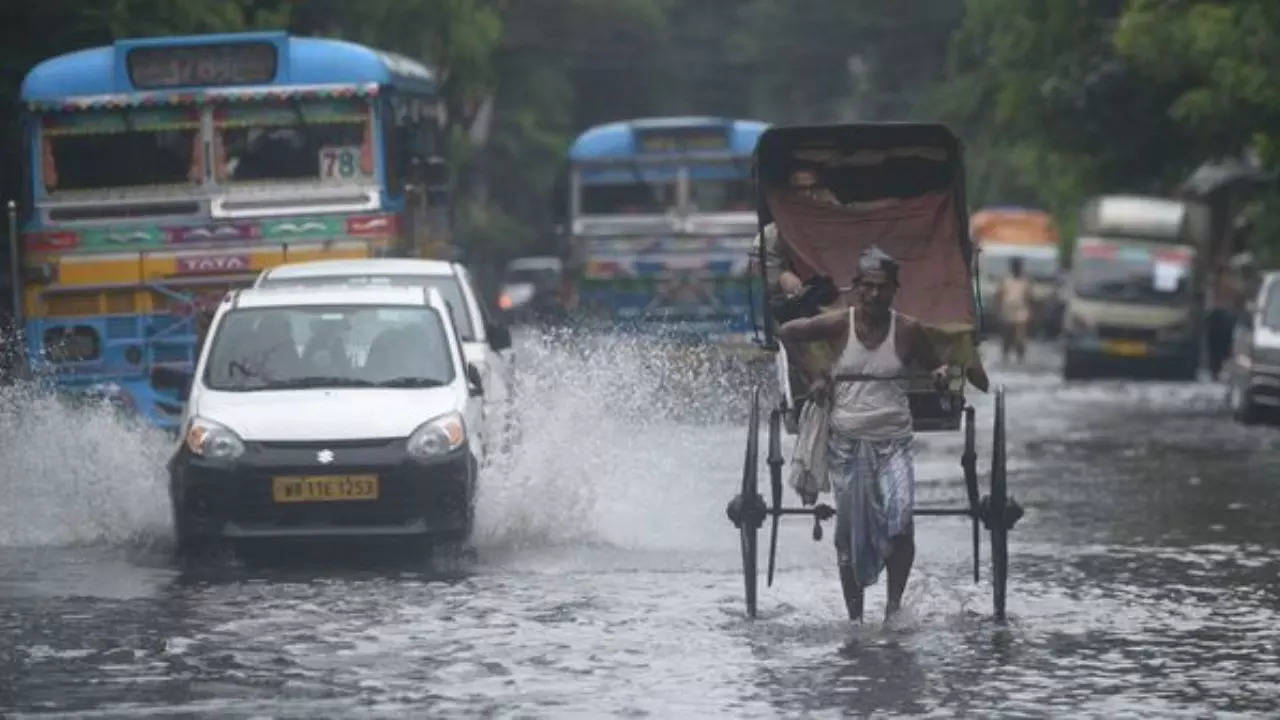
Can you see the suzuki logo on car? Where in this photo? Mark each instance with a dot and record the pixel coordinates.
(324, 457)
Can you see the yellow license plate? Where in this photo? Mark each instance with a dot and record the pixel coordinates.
(1125, 348)
(324, 488)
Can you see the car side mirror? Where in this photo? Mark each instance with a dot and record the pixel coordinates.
(166, 377)
(499, 336)
(474, 385)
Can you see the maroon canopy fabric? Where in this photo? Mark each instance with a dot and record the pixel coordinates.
(919, 232)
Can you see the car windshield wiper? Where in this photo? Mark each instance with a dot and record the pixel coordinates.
(410, 382)
(315, 381)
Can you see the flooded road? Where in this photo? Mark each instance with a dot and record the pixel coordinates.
(605, 578)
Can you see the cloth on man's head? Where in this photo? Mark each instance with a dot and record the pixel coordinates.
(873, 259)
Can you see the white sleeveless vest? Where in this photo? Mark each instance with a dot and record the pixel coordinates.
(871, 409)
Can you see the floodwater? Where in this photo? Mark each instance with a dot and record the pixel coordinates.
(604, 578)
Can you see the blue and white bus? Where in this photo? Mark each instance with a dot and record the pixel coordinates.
(160, 172)
(661, 220)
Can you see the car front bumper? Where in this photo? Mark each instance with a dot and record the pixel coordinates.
(235, 500)
(1264, 385)
(1121, 351)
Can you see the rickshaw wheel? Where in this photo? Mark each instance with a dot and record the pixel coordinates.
(997, 509)
(774, 461)
(752, 505)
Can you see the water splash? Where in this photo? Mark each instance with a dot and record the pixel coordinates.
(612, 450)
(614, 436)
(77, 473)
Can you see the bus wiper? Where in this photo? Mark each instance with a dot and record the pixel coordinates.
(315, 381)
(408, 381)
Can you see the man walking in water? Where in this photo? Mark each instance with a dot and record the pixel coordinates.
(869, 452)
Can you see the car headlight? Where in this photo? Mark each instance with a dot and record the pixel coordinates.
(437, 437)
(213, 441)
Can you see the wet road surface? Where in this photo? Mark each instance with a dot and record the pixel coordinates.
(604, 577)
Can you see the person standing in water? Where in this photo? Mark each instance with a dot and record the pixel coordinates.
(1014, 299)
(869, 442)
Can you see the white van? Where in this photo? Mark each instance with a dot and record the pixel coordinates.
(328, 412)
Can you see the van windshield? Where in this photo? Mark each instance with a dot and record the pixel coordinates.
(283, 348)
(1133, 273)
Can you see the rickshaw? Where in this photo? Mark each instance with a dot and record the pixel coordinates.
(900, 187)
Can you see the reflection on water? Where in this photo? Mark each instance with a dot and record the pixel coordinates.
(605, 578)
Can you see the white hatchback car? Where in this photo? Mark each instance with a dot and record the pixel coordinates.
(328, 412)
(487, 344)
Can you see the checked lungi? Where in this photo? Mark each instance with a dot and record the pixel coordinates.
(874, 485)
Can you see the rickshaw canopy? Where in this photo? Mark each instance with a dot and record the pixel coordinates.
(897, 186)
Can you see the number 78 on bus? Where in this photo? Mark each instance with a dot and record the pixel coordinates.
(158, 173)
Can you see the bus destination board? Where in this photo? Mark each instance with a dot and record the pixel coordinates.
(688, 139)
(190, 65)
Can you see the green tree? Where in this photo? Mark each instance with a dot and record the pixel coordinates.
(1051, 112)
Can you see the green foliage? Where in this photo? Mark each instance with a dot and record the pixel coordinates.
(1055, 100)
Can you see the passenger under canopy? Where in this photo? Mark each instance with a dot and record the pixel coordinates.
(899, 187)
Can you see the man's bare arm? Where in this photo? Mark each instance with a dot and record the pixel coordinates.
(789, 283)
(795, 333)
(826, 326)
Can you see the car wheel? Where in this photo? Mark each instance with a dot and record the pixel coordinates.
(1190, 371)
(1242, 407)
(189, 545)
(1074, 368)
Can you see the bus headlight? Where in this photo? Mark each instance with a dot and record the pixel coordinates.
(437, 437)
(213, 441)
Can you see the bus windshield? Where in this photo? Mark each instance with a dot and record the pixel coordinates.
(108, 149)
(714, 196)
(637, 198)
(319, 140)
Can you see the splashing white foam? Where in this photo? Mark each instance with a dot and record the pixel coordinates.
(77, 474)
(615, 433)
(620, 443)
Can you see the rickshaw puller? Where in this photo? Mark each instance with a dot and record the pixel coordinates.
(869, 455)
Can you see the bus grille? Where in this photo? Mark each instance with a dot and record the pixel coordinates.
(167, 353)
(71, 305)
(119, 327)
(120, 301)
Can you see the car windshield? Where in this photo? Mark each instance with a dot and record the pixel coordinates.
(331, 346)
(448, 285)
(1133, 274)
(540, 277)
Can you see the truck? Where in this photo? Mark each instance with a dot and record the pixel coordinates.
(1135, 293)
